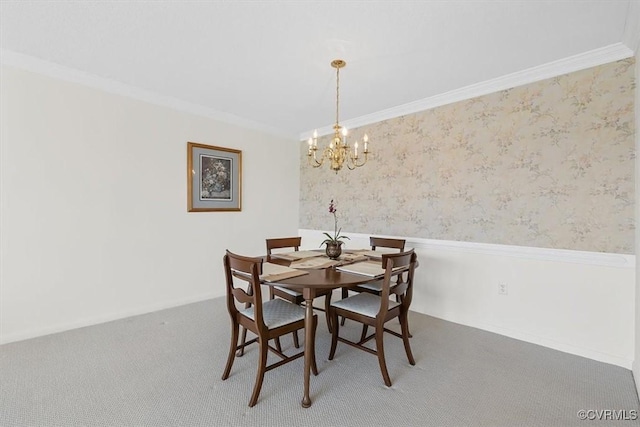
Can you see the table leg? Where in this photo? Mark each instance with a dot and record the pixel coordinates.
(308, 351)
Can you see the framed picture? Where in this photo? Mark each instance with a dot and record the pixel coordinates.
(214, 178)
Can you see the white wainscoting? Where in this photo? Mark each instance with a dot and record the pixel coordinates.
(576, 302)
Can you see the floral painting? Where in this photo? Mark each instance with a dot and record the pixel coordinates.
(214, 177)
(215, 181)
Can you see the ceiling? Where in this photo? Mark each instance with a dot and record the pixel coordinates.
(266, 63)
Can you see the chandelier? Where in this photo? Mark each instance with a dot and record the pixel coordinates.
(338, 152)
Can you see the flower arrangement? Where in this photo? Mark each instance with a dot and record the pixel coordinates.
(336, 239)
(216, 179)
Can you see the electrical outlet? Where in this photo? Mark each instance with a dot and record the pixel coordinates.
(503, 289)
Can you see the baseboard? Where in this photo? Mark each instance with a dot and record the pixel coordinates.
(545, 342)
(5, 339)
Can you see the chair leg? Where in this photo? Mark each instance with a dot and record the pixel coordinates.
(404, 324)
(334, 333)
(345, 294)
(262, 365)
(363, 335)
(232, 350)
(399, 299)
(242, 341)
(296, 343)
(327, 306)
(380, 352)
(244, 330)
(278, 346)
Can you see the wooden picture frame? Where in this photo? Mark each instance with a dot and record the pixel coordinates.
(214, 178)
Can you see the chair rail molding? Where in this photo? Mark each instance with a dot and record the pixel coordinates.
(525, 252)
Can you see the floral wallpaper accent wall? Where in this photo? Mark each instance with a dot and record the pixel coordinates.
(549, 164)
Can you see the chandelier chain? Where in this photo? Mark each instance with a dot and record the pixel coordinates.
(337, 94)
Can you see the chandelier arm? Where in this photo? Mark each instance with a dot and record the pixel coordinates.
(312, 160)
(353, 160)
(315, 163)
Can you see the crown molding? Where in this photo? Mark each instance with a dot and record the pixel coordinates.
(574, 63)
(611, 53)
(50, 69)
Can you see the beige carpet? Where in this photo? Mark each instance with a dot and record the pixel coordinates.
(164, 368)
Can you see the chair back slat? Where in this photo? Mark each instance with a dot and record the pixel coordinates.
(242, 296)
(400, 288)
(399, 260)
(283, 242)
(383, 242)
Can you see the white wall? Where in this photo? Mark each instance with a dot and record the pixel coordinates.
(577, 302)
(94, 223)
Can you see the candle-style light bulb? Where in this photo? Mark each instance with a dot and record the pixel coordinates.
(366, 140)
(355, 148)
(344, 136)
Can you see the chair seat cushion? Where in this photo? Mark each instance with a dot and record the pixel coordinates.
(373, 286)
(364, 303)
(277, 312)
(288, 291)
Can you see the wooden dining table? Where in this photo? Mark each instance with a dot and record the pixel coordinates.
(310, 285)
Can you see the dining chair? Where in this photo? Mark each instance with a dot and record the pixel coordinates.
(375, 287)
(376, 310)
(291, 295)
(268, 320)
(275, 290)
